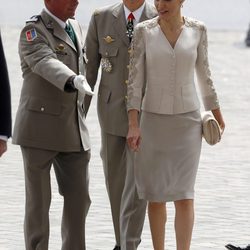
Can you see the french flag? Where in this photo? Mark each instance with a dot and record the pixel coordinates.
(31, 35)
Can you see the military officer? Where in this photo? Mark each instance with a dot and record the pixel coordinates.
(50, 124)
(108, 45)
(5, 103)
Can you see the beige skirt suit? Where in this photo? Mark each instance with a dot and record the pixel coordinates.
(162, 88)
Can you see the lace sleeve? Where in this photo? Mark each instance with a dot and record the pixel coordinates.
(136, 70)
(208, 93)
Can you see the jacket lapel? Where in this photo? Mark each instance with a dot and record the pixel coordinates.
(77, 34)
(120, 24)
(56, 29)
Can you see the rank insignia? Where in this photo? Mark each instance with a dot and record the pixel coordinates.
(108, 39)
(31, 35)
(33, 19)
(106, 65)
(50, 24)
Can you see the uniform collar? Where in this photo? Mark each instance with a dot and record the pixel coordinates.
(59, 21)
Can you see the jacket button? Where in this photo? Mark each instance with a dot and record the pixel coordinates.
(126, 82)
(42, 109)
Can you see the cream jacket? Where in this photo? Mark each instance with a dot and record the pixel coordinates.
(161, 78)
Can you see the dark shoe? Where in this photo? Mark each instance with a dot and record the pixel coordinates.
(117, 248)
(232, 247)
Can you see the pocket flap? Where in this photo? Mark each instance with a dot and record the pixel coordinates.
(109, 51)
(44, 106)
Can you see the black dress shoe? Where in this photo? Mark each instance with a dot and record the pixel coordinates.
(232, 247)
(117, 248)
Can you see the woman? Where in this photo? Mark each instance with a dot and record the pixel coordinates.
(166, 51)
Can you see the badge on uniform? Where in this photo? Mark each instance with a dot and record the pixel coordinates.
(60, 49)
(106, 65)
(31, 35)
(108, 39)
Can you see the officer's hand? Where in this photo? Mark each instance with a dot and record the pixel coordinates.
(82, 85)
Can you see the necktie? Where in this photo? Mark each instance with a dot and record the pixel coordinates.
(71, 33)
(130, 26)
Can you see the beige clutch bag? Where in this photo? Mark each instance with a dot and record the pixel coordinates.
(211, 130)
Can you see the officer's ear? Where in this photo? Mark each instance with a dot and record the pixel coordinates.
(181, 2)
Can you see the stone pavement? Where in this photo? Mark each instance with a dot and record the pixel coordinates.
(222, 188)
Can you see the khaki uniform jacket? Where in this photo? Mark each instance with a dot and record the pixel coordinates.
(48, 117)
(107, 44)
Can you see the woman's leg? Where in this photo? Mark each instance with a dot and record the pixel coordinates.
(184, 220)
(157, 220)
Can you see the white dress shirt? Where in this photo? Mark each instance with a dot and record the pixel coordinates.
(137, 13)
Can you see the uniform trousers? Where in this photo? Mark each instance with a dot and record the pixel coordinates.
(128, 212)
(71, 169)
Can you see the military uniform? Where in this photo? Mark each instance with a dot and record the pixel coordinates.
(108, 46)
(51, 129)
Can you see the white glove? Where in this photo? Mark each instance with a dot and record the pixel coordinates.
(82, 85)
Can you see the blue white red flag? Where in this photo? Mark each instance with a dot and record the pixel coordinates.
(31, 35)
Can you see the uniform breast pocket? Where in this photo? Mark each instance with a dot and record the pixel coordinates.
(108, 51)
(63, 56)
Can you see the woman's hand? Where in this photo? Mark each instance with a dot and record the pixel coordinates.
(134, 133)
(219, 118)
(134, 138)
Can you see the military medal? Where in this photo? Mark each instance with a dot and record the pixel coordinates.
(106, 65)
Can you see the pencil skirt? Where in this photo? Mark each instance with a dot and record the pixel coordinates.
(167, 161)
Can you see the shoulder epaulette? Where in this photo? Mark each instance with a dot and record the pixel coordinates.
(96, 12)
(34, 19)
